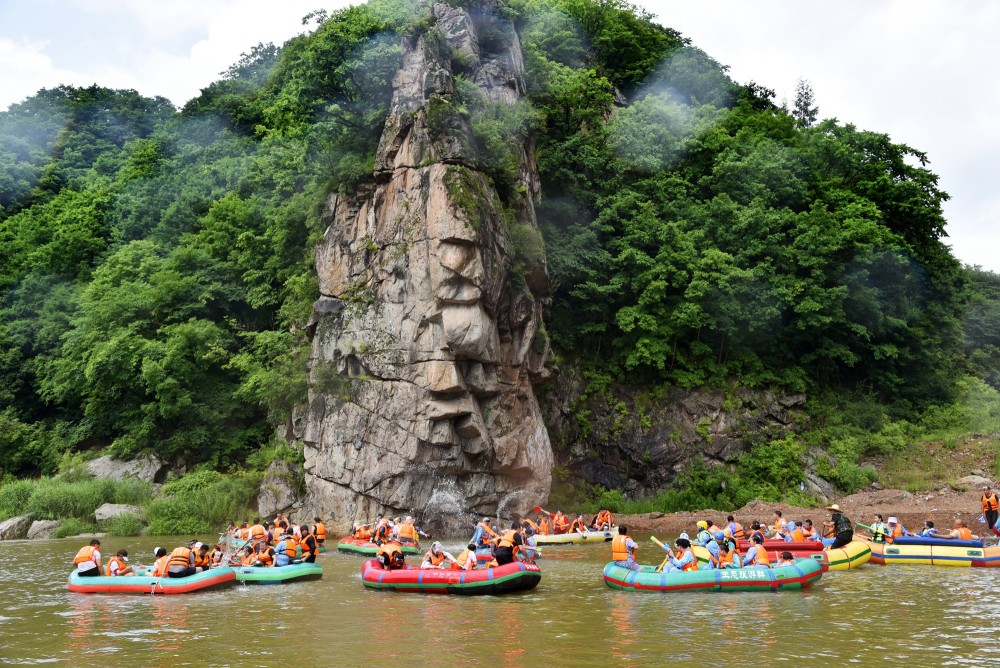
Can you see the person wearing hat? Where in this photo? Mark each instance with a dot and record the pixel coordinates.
(703, 537)
(896, 530)
(681, 560)
(843, 528)
(160, 559)
(793, 534)
(991, 506)
(483, 533)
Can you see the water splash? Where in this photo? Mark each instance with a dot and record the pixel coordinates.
(447, 499)
(506, 501)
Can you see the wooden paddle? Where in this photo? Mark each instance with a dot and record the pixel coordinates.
(666, 559)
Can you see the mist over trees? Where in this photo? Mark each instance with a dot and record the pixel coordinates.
(157, 263)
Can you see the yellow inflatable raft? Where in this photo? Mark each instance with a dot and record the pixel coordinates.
(577, 537)
(854, 554)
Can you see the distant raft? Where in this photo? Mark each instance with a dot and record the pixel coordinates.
(802, 573)
(516, 576)
(854, 554)
(278, 574)
(214, 578)
(352, 545)
(575, 538)
(935, 552)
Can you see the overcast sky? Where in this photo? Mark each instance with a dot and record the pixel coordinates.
(922, 71)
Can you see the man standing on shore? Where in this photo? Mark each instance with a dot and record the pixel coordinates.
(991, 506)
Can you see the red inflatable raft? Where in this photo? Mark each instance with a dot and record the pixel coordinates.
(516, 576)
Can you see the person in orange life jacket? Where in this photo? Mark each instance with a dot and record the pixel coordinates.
(436, 557)
(683, 559)
(544, 528)
(623, 550)
(285, 550)
(578, 525)
(390, 555)
(201, 561)
(735, 528)
(991, 506)
(728, 556)
(960, 532)
(263, 556)
(756, 556)
(779, 523)
(118, 565)
(793, 534)
(466, 561)
(560, 523)
(786, 559)
(406, 532)
(160, 558)
(507, 545)
(757, 530)
(529, 524)
(603, 521)
(319, 531)
(247, 556)
(308, 544)
(483, 533)
(896, 530)
(181, 563)
(88, 560)
(215, 556)
(257, 530)
(809, 531)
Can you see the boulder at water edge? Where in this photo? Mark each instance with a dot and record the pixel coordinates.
(43, 529)
(279, 490)
(15, 528)
(972, 482)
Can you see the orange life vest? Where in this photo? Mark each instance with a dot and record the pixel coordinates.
(990, 502)
(739, 534)
(463, 559)
(798, 536)
(964, 534)
(543, 527)
(604, 517)
(364, 533)
(690, 566)
(507, 539)
(761, 557)
(560, 523)
(320, 531)
(86, 553)
(291, 547)
(389, 549)
(619, 550)
(577, 525)
(308, 543)
(534, 527)
(115, 560)
(257, 531)
(407, 532)
(779, 524)
(160, 567)
(266, 557)
(434, 559)
(215, 556)
(727, 558)
(181, 556)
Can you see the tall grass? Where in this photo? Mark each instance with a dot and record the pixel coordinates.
(55, 498)
(203, 502)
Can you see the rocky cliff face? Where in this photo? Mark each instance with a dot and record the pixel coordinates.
(426, 346)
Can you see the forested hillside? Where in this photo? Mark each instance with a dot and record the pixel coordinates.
(156, 263)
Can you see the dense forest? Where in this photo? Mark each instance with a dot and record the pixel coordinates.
(156, 264)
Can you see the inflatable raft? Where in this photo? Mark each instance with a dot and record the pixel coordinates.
(935, 552)
(484, 554)
(516, 576)
(801, 574)
(807, 550)
(576, 538)
(854, 554)
(215, 578)
(278, 574)
(352, 545)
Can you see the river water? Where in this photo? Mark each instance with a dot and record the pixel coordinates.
(922, 616)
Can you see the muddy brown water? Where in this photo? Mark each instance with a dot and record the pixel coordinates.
(922, 616)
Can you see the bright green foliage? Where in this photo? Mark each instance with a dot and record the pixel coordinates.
(202, 503)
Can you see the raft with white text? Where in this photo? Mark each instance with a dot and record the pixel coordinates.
(516, 576)
(802, 573)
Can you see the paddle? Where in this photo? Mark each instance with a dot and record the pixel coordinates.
(666, 559)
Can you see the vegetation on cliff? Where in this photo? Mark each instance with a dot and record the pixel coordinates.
(157, 264)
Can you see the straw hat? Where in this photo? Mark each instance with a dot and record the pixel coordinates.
(835, 508)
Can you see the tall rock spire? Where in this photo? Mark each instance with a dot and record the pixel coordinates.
(429, 331)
